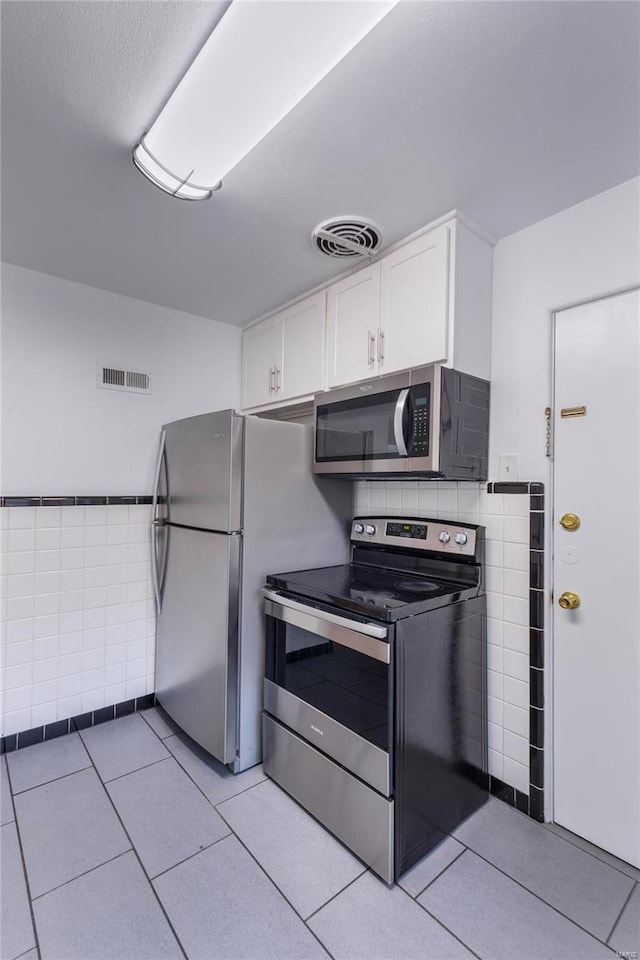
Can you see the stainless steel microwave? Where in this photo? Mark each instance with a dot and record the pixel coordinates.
(428, 422)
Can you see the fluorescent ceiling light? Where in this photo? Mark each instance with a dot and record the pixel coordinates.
(259, 62)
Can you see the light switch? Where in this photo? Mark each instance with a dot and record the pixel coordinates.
(508, 466)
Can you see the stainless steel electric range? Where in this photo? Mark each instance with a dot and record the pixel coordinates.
(375, 688)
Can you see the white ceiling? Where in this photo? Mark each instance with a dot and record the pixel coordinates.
(508, 111)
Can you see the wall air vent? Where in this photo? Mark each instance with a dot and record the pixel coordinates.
(117, 378)
(347, 237)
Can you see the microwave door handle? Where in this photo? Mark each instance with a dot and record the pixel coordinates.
(398, 418)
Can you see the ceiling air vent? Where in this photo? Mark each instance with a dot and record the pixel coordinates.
(117, 378)
(347, 237)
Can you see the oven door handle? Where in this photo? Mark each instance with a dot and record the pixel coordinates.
(366, 638)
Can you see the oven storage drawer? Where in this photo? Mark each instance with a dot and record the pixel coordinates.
(358, 816)
(363, 758)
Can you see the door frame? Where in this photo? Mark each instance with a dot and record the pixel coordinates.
(549, 662)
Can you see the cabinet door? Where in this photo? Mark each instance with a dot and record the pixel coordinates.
(261, 352)
(303, 348)
(353, 313)
(414, 303)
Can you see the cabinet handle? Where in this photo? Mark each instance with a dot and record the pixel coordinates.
(276, 378)
(381, 346)
(371, 348)
(272, 375)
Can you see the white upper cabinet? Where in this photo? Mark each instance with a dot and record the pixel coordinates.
(427, 301)
(303, 347)
(261, 362)
(283, 356)
(353, 315)
(413, 303)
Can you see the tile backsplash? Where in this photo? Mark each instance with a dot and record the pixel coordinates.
(79, 619)
(78, 612)
(507, 560)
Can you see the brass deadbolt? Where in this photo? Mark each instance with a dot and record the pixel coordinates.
(569, 600)
(570, 521)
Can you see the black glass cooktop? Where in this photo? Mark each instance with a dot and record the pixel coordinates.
(377, 592)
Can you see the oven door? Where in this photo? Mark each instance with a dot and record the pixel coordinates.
(330, 679)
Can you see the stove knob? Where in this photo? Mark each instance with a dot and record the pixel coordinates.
(358, 528)
(444, 537)
(461, 539)
(370, 529)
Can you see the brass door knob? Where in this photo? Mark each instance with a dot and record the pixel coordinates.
(570, 521)
(569, 600)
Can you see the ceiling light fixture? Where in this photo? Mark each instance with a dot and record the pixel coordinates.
(262, 58)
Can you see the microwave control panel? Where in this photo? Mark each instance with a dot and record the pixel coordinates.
(420, 438)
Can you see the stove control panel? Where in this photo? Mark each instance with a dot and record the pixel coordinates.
(427, 536)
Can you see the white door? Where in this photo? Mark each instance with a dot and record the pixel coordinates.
(596, 660)
(261, 362)
(413, 311)
(303, 347)
(353, 314)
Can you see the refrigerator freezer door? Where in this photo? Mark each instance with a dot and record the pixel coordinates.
(203, 458)
(197, 645)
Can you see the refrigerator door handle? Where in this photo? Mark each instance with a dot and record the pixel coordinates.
(156, 522)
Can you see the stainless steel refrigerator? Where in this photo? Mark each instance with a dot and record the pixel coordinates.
(235, 499)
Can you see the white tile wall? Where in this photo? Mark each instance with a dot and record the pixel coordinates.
(506, 519)
(77, 611)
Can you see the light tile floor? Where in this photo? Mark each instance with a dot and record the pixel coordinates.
(126, 842)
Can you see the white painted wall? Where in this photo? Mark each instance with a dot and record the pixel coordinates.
(78, 617)
(581, 253)
(63, 435)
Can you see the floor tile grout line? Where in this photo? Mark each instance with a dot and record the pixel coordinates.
(45, 783)
(579, 846)
(537, 896)
(208, 799)
(238, 794)
(121, 776)
(85, 873)
(333, 897)
(232, 833)
(274, 884)
(305, 921)
(437, 877)
(240, 841)
(634, 883)
(142, 767)
(179, 863)
(141, 865)
(148, 723)
(449, 931)
(624, 907)
(24, 865)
